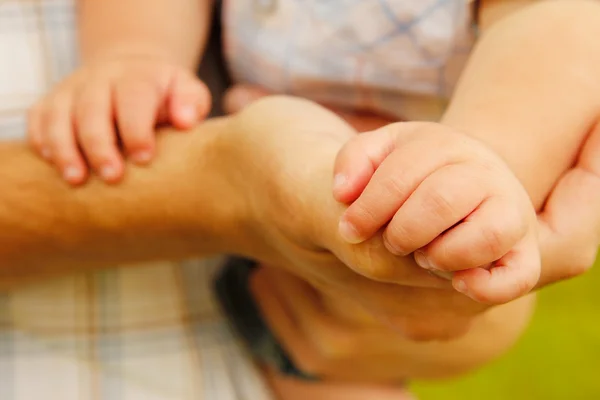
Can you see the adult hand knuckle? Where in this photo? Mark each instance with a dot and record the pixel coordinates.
(370, 268)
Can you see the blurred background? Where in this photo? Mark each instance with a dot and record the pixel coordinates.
(558, 358)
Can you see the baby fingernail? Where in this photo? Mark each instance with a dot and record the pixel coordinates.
(108, 172)
(188, 113)
(442, 274)
(461, 286)
(339, 181)
(423, 261)
(72, 174)
(348, 232)
(142, 157)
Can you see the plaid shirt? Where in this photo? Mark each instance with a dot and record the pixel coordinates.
(152, 332)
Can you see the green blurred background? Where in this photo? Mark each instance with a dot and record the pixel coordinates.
(558, 357)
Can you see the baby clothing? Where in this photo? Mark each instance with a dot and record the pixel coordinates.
(401, 58)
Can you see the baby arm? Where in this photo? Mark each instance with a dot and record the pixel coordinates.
(530, 92)
(138, 70)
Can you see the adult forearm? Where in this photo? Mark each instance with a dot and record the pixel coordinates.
(176, 30)
(171, 209)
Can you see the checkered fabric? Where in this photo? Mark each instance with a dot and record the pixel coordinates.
(37, 48)
(150, 332)
(397, 57)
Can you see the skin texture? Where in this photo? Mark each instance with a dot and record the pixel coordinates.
(137, 71)
(568, 245)
(495, 86)
(569, 235)
(156, 213)
(435, 191)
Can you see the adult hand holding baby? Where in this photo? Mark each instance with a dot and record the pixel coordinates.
(569, 222)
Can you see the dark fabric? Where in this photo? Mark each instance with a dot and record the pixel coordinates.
(476, 9)
(234, 296)
(212, 70)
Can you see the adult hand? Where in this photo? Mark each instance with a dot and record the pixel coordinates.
(570, 233)
(263, 188)
(330, 345)
(300, 224)
(570, 219)
(373, 318)
(258, 191)
(323, 337)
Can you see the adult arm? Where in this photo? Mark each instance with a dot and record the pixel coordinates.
(230, 185)
(164, 211)
(242, 184)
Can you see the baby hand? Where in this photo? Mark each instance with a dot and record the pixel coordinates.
(446, 198)
(79, 120)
